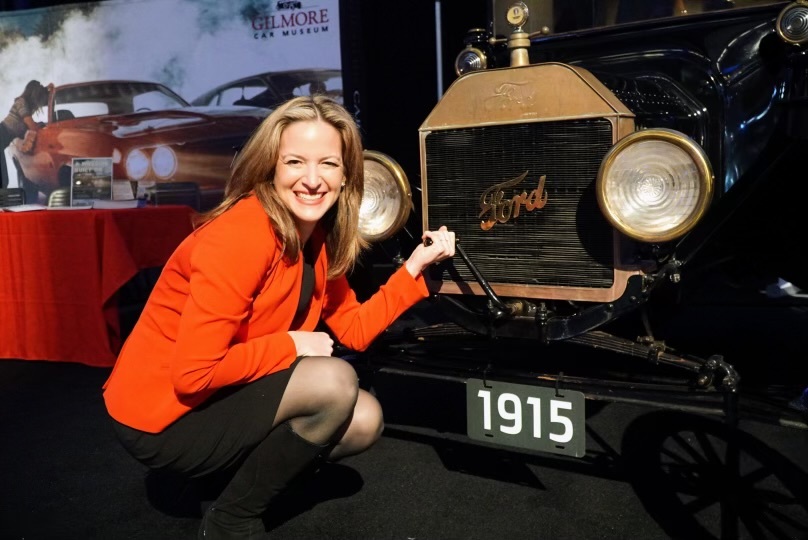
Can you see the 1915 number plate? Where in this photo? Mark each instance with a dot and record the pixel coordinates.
(523, 416)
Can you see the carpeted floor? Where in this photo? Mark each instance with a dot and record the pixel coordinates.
(647, 474)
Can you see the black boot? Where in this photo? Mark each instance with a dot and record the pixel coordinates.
(274, 463)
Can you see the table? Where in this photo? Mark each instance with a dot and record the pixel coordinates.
(60, 271)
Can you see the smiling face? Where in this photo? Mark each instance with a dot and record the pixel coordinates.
(309, 172)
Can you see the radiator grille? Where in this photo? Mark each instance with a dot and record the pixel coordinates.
(566, 243)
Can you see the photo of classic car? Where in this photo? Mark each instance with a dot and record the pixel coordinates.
(152, 134)
(269, 89)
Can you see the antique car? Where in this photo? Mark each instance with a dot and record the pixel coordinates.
(605, 166)
(274, 87)
(152, 134)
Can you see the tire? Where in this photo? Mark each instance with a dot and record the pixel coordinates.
(684, 471)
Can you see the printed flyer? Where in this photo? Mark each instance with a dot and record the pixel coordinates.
(91, 180)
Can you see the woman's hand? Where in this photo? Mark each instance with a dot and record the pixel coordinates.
(441, 245)
(312, 343)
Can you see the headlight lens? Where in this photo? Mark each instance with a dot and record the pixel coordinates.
(137, 165)
(470, 59)
(655, 185)
(164, 162)
(387, 199)
(792, 23)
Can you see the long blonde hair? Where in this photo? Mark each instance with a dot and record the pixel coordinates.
(254, 170)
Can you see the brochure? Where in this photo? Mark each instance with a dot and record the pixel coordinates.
(90, 181)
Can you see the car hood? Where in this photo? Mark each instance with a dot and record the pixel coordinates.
(189, 118)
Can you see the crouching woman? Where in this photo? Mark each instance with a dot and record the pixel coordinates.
(225, 369)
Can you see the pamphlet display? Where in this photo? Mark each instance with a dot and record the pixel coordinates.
(90, 181)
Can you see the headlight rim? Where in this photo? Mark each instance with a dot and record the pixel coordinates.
(477, 51)
(690, 147)
(403, 184)
(779, 26)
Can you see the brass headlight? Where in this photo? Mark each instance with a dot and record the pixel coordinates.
(387, 199)
(655, 185)
(792, 23)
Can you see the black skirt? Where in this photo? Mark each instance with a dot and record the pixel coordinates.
(216, 435)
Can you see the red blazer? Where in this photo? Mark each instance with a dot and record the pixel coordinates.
(220, 314)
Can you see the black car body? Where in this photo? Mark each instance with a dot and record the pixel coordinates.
(605, 166)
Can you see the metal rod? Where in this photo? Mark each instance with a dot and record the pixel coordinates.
(480, 279)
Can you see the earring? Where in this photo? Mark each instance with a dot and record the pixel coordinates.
(342, 185)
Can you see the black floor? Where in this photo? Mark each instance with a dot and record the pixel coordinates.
(647, 474)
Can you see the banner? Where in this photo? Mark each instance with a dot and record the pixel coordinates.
(134, 76)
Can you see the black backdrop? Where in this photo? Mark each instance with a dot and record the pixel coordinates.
(389, 56)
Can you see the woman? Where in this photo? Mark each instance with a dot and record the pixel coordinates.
(225, 370)
(20, 119)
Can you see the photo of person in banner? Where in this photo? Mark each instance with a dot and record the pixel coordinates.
(20, 119)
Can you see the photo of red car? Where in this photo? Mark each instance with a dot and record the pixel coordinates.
(152, 134)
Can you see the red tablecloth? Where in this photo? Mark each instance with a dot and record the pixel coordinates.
(60, 271)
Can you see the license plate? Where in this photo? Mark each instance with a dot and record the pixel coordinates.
(528, 417)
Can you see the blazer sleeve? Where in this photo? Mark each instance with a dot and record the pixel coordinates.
(226, 269)
(356, 325)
